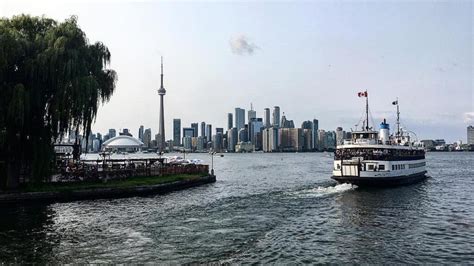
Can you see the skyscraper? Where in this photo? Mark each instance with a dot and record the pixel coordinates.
(162, 92)
(140, 133)
(203, 129)
(470, 135)
(251, 114)
(266, 117)
(196, 129)
(276, 116)
(209, 132)
(112, 133)
(229, 121)
(188, 132)
(177, 132)
(147, 138)
(340, 134)
(314, 132)
(239, 118)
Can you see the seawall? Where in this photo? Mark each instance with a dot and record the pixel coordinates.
(104, 193)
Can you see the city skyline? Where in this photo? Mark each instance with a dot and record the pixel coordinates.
(311, 65)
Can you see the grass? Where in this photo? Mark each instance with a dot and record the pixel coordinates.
(126, 183)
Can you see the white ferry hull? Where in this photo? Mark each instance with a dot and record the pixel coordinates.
(382, 181)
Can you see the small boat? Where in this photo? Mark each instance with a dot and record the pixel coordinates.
(376, 158)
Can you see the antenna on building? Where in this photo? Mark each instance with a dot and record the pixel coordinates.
(251, 106)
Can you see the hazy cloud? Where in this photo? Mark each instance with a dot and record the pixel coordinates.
(469, 117)
(241, 45)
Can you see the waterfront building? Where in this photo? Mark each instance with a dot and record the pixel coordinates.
(177, 132)
(239, 118)
(276, 116)
(321, 140)
(330, 140)
(220, 130)
(270, 139)
(147, 138)
(112, 133)
(307, 139)
(290, 139)
(195, 126)
(209, 133)
(232, 139)
(314, 131)
(217, 142)
(203, 129)
(140, 133)
(245, 146)
(230, 121)
(470, 135)
(156, 141)
(122, 143)
(340, 134)
(266, 118)
(162, 93)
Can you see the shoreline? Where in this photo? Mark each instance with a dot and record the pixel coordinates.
(103, 193)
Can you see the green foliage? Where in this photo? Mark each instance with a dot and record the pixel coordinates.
(51, 81)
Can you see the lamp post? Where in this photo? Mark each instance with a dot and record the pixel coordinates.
(212, 162)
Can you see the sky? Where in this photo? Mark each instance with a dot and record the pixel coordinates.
(310, 58)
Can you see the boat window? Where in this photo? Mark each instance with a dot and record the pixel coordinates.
(371, 167)
(381, 167)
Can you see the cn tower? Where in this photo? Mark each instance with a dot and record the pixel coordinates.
(162, 93)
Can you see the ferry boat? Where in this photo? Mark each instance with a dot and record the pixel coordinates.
(376, 158)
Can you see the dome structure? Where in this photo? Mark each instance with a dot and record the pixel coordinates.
(122, 143)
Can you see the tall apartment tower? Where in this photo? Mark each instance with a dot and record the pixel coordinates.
(266, 118)
(203, 129)
(230, 121)
(177, 132)
(195, 126)
(251, 114)
(239, 118)
(470, 135)
(276, 116)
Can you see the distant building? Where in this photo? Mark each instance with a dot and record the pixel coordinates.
(188, 132)
(307, 125)
(470, 135)
(251, 114)
(200, 145)
(140, 133)
(203, 129)
(243, 135)
(217, 142)
(232, 139)
(290, 139)
(340, 134)
(255, 127)
(266, 118)
(188, 143)
(195, 126)
(126, 132)
(286, 123)
(307, 139)
(276, 116)
(112, 133)
(239, 118)
(270, 139)
(177, 132)
(230, 121)
(147, 138)
(244, 147)
(314, 132)
(220, 130)
(209, 132)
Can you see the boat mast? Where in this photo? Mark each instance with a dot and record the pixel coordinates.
(398, 120)
(366, 111)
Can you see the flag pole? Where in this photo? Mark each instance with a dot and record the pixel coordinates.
(366, 111)
(398, 121)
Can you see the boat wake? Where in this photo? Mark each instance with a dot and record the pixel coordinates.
(323, 191)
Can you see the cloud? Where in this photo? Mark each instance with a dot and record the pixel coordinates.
(241, 45)
(469, 117)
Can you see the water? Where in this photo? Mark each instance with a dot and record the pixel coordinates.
(264, 208)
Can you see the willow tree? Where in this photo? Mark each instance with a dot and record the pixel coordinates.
(52, 80)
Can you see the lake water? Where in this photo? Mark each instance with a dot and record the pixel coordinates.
(265, 208)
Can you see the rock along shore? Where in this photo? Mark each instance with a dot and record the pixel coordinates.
(104, 193)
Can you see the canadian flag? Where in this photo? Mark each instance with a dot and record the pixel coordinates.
(363, 94)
